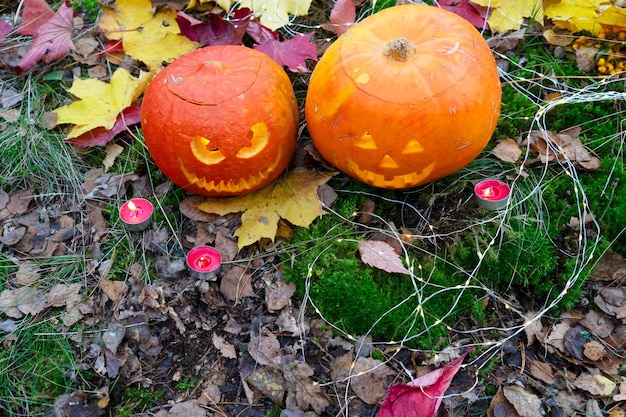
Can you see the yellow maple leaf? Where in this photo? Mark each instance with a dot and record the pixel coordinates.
(576, 15)
(273, 14)
(510, 14)
(293, 197)
(100, 102)
(147, 37)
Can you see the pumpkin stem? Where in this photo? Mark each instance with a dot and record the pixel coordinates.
(399, 50)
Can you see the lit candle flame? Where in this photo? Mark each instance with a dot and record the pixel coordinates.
(203, 262)
(133, 210)
(488, 192)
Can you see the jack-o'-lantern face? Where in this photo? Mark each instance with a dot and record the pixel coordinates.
(210, 155)
(388, 168)
(221, 121)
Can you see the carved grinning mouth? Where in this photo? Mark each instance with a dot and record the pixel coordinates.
(395, 181)
(239, 186)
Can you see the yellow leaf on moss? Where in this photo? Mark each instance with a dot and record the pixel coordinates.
(224, 4)
(100, 102)
(293, 197)
(271, 13)
(576, 15)
(510, 15)
(147, 37)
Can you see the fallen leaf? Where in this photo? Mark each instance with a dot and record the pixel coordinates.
(370, 378)
(53, 39)
(525, 403)
(586, 58)
(559, 39)
(469, 11)
(100, 136)
(270, 382)
(265, 350)
(302, 392)
(422, 396)
(562, 146)
(293, 197)
(36, 13)
(507, 150)
(226, 349)
(235, 284)
(595, 384)
(510, 15)
(291, 53)
(278, 297)
(10, 97)
(275, 13)
(147, 37)
(112, 151)
(100, 103)
(215, 30)
(379, 254)
(342, 16)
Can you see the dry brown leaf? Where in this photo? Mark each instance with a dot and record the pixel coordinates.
(559, 38)
(379, 254)
(278, 297)
(561, 146)
(621, 396)
(594, 350)
(598, 324)
(526, 403)
(611, 267)
(270, 382)
(542, 371)
(265, 350)
(507, 150)
(302, 392)
(371, 380)
(586, 58)
(112, 151)
(115, 290)
(236, 284)
(595, 384)
(226, 349)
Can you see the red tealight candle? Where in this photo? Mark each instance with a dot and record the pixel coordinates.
(204, 262)
(492, 194)
(137, 214)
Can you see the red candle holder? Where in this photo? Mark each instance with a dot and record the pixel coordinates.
(492, 194)
(204, 262)
(136, 214)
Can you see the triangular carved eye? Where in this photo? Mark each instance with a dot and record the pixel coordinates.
(365, 141)
(200, 147)
(258, 141)
(413, 146)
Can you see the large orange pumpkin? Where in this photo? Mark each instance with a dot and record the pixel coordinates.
(221, 120)
(406, 96)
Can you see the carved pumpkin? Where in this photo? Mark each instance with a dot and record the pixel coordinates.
(406, 96)
(221, 120)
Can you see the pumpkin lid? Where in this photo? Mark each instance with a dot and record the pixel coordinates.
(213, 75)
(404, 54)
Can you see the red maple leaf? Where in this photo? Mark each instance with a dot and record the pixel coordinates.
(101, 136)
(53, 40)
(35, 14)
(216, 31)
(259, 33)
(342, 16)
(291, 53)
(422, 396)
(474, 14)
(5, 29)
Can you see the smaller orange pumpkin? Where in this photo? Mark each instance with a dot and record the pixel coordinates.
(221, 121)
(406, 96)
